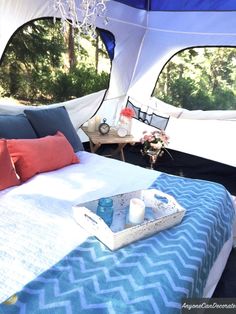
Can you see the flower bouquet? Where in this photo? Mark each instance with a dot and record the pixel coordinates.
(125, 120)
(154, 144)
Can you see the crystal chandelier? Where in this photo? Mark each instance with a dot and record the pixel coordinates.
(82, 17)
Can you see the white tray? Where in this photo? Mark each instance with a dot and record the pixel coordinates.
(161, 214)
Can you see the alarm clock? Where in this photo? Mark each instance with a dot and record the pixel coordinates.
(122, 132)
(104, 128)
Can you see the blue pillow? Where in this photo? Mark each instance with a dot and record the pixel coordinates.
(15, 127)
(49, 121)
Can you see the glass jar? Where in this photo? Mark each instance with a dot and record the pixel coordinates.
(105, 210)
(125, 122)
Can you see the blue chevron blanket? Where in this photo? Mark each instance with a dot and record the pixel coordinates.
(149, 276)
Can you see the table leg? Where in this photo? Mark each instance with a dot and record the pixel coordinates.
(94, 147)
(120, 150)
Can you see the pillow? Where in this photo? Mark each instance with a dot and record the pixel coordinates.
(7, 172)
(16, 126)
(32, 156)
(49, 121)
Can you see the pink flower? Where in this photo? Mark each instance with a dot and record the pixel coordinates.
(164, 138)
(151, 138)
(155, 140)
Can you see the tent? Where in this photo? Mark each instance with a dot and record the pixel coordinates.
(145, 34)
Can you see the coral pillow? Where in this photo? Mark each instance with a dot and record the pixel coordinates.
(32, 156)
(7, 172)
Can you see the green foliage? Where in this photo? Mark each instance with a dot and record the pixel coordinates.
(78, 82)
(225, 99)
(201, 78)
(32, 55)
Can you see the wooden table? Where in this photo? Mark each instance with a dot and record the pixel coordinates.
(96, 140)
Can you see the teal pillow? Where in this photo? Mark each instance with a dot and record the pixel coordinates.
(49, 121)
(16, 127)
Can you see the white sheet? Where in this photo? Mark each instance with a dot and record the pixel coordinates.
(37, 228)
(217, 269)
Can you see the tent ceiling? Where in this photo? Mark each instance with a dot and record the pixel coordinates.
(181, 5)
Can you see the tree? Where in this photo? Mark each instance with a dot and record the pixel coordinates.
(201, 78)
(30, 59)
(71, 48)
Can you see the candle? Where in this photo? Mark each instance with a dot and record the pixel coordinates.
(92, 125)
(136, 211)
(97, 121)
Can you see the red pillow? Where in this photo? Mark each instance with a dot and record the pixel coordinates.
(7, 172)
(32, 156)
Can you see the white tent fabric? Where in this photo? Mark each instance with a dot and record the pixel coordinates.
(77, 108)
(211, 139)
(164, 109)
(207, 134)
(170, 32)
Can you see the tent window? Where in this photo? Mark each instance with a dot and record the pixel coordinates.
(199, 78)
(42, 65)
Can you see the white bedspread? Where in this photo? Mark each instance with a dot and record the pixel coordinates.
(37, 228)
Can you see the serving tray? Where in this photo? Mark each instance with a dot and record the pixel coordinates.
(162, 211)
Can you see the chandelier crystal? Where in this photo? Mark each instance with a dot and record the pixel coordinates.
(82, 17)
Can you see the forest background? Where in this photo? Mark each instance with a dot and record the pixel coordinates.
(42, 65)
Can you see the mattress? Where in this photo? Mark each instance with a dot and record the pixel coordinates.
(45, 247)
(37, 228)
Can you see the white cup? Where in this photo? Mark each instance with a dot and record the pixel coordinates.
(136, 211)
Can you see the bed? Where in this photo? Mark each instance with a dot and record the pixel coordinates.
(53, 265)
